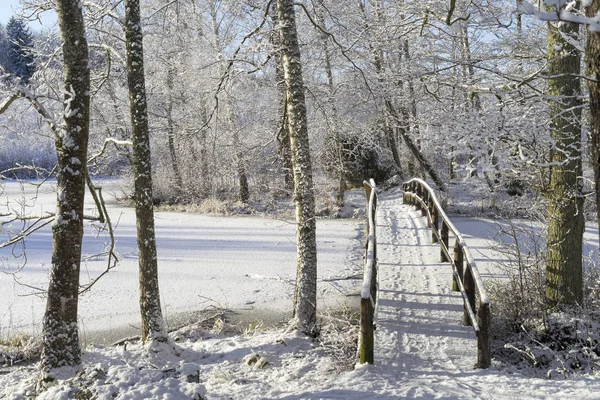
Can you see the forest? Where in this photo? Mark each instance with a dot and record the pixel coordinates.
(242, 106)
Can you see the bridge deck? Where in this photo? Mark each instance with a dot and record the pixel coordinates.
(419, 332)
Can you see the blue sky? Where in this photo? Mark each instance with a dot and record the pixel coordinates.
(8, 8)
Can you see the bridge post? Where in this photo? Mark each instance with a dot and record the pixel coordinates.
(459, 263)
(425, 198)
(444, 243)
(430, 207)
(484, 336)
(368, 190)
(418, 192)
(469, 284)
(435, 224)
(367, 340)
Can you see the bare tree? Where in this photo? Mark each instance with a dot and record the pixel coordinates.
(243, 190)
(153, 327)
(592, 61)
(283, 136)
(305, 302)
(60, 333)
(564, 275)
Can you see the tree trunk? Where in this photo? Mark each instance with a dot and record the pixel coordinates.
(564, 284)
(519, 22)
(244, 191)
(153, 327)
(334, 136)
(377, 63)
(398, 121)
(171, 134)
(592, 62)
(283, 135)
(60, 338)
(206, 184)
(305, 302)
(466, 52)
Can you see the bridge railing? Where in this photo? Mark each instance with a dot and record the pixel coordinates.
(466, 278)
(368, 299)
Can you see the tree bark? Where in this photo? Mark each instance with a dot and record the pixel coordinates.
(305, 302)
(564, 282)
(153, 327)
(592, 63)
(333, 132)
(283, 135)
(60, 338)
(398, 120)
(243, 189)
(171, 134)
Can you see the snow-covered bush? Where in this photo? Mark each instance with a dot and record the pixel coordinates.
(519, 297)
(339, 336)
(18, 349)
(549, 342)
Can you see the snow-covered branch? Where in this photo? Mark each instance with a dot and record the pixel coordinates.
(562, 11)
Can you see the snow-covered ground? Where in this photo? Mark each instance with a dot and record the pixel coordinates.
(243, 264)
(422, 350)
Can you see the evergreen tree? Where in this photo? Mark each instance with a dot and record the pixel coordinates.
(20, 55)
(4, 60)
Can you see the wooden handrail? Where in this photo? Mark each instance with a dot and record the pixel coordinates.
(368, 296)
(466, 277)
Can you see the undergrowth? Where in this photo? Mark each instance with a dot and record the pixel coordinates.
(19, 349)
(528, 334)
(339, 336)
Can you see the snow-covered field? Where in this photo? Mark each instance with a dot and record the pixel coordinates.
(422, 350)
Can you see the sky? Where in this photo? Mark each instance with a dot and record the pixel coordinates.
(8, 8)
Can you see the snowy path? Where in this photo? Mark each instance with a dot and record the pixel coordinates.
(419, 331)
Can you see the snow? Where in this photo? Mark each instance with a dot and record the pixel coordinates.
(243, 264)
(421, 349)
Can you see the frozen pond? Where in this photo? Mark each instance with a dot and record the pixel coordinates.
(243, 263)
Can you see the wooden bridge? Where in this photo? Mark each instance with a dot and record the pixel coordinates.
(425, 296)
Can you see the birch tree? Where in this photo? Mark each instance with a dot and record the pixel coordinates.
(153, 327)
(283, 136)
(305, 301)
(60, 337)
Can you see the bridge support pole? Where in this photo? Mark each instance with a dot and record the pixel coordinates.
(459, 264)
(435, 224)
(367, 336)
(469, 284)
(444, 242)
(484, 337)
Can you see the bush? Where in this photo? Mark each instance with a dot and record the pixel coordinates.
(362, 159)
(550, 343)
